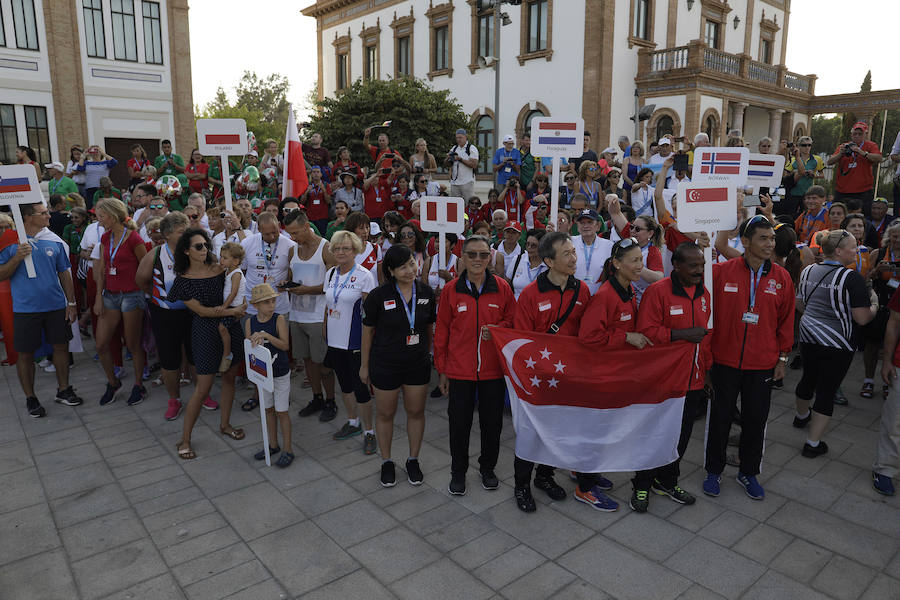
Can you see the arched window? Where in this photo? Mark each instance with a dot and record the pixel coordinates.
(526, 125)
(664, 126)
(710, 128)
(484, 139)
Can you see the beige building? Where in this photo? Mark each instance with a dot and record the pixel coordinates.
(107, 72)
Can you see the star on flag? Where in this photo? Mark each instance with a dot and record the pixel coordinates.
(545, 353)
(529, 362)
(535, 382)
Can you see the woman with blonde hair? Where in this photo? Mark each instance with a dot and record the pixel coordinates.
(586, 183)
(422, 161)
(119, 299)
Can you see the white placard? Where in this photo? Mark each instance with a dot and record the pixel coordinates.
(222, 137)
(720, 165)
(19, 185)
(258, 362)
(551, 136)
(765, 170)
(439, 214)
(706, 206)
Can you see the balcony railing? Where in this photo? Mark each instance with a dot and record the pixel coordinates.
(697, 58)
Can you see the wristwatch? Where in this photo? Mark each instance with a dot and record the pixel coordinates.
(72, 304)
(783, 358)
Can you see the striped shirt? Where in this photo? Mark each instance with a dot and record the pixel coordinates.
(829, 291)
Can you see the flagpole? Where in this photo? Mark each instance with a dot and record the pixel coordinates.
(287, 144)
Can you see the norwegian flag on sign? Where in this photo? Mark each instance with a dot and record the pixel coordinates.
(721, 165)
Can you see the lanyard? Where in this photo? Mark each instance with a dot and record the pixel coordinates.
(754, 282)
(410, 313)
(588, 257)
(112, 253)
(268, 254)
(169, 252)
(53, 187)
(339, 287)
(859, 260)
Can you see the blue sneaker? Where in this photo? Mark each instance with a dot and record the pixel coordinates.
(711, 485)
(109, 396)
(117, 371)
(751, 486)
(597, 499)
(882, 484)
(603, 483)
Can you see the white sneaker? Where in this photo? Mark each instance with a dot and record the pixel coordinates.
(44, 363)
(50, 368)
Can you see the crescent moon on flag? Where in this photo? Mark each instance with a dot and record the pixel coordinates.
(509, 351)
(694, 195)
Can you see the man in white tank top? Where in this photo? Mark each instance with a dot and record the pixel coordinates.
(308, 261)
(592, 250)
(266, 261)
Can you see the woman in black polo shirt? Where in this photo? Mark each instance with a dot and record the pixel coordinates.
(395, 342)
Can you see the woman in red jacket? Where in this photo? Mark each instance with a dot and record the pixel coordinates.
(470, 305)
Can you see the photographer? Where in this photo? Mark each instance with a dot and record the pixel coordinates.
(507, 160)
(513, 199)
(462, 160)
(802, 168)
(855, 177)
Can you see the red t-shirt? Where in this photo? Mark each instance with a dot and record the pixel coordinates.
(138, 164)
(121, 270)
(378, 197)
(197, 185)
(316, 208)
(860, 178)
(894, 305)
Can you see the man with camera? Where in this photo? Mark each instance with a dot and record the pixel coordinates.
(854, 159)
(462, 160)
(507, 161)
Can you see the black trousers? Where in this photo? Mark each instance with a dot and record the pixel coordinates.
(523, 469)
(461, 409)
(754, 388)
(668, 474)
(824, 369)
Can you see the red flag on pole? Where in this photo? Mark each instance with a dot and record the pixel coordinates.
(295, 180)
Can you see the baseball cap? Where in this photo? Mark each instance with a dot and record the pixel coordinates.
(514, 225)
(253, 153)
(508, 138)
(664, 140)
(860, 125)
(461, 132)
(374, 229)
(589, 213)
(55, 165)
(610, 150)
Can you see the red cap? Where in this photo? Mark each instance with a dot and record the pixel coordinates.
(860, 125)
(416, 223)
(514, 225)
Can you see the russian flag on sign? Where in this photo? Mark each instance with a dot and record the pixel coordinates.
(14, 184)
(556, 132)
(720, 163)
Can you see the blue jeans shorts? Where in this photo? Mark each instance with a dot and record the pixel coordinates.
(124, 301)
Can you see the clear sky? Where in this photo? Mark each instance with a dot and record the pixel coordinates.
(273, 37)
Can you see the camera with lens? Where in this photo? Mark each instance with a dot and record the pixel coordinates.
(451, 156)
(418, 169)
(847, 150)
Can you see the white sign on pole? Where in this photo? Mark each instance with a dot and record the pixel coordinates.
(442, 215)
(720, 165)
(706, 206)
(556, 138)
(765, 170)
(258, 362)
(223, 137)
(19, 185)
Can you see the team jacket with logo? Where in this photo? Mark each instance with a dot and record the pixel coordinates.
(743, 345)
(541, 303)
(459, 350)
(666, 306)
(611, 313)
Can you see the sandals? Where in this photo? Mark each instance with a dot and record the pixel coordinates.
(235, 434)
(185, 453)
(261, 455)
(250, 404)
(284, 460)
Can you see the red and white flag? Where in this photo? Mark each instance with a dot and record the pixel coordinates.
(295, 179)
(593, 411)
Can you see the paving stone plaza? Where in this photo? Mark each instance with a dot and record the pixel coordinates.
(96, 504)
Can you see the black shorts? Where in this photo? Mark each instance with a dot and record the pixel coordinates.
(345, 364)
(172, 331)
(391, 379)
(873, 331)
(31, 330)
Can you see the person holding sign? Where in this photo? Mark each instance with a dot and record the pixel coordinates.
(43, 306)
(753, 332)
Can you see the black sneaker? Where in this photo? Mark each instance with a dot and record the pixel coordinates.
(388, 474)
(109, 396)
(524, 499)
(329, 411)
(138, 394)
(68, 397)
(800, 423)
(489, 481)
(640, 501)
(314, 406)
(347, 431)
(414, 472)
(549, 485)
(457, 485)
(261, 455)
(778, 384)
(34, 407)
(814, 451)
(436, 392)
(675, 493)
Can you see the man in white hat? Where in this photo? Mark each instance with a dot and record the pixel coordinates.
(663, 150)
(59, 183)
(507, 161)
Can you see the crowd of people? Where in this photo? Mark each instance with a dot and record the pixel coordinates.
(341, 284)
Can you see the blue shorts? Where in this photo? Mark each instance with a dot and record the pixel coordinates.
(124, 301)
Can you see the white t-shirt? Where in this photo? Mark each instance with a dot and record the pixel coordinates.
(525, 274)
(91, 237)
(219, 240)
(658, 159)
(672, 182)
(344, 312)
(509, 258)
(258, 269)
(242, 289)
(460, 174)
(591, 260)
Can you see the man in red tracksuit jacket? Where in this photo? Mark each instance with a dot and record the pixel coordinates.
(544, 306)
(468, 363)
(753, 331)
(676, 310)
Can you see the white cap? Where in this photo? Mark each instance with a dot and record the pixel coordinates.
(508, 138)
(664, 140)
(253, 153)
(55, 165)
(374, 229)
(610, 150)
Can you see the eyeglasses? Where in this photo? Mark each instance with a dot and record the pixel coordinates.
(156, 206)
(570, 179)
(804, 145)
(407, 234)
(41, 213)
(200, 246)
(473, 255)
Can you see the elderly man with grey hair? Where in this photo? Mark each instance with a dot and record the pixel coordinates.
(701, 140)
(624, 145)
(199, 202)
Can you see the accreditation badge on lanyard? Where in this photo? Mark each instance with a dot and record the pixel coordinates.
(112, 253)
(588, 259)
(334, 313)
(751, 317)
(269, 258)
(412, 338)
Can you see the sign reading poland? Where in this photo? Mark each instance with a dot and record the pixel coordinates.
(222, 137)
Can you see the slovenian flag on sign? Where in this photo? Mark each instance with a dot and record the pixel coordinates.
(14, 184)
(572, 414)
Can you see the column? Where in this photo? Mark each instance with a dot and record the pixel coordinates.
(775, 125)
(737, 121)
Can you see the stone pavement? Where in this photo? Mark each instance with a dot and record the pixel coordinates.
(96, 504)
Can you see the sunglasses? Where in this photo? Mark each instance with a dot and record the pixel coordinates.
(156, 206)
(194, 216)
(407, 234)
(154, 230)
(570, 179)
(638, 228)
(200, 246)
(473, 255)
(288, 211)
(805, 145)
(624, 244)
(613, 175)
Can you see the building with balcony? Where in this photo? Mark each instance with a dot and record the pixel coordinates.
(706, 65)
(107, 72)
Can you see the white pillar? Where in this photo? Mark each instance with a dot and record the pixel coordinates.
(775, 125)
(737, 121)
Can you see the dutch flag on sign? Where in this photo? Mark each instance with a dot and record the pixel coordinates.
(556, 132)
(720, 163)
(761, 168)
(14, 184)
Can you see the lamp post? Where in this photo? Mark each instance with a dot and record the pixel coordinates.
(500, 19)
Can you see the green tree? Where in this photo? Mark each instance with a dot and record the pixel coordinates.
(261, 102)
(826, 133)
(414, 109)
(867, 82)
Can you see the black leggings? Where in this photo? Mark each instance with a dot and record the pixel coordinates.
(824, 369)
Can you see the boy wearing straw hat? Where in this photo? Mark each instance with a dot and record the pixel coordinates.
(271, 329)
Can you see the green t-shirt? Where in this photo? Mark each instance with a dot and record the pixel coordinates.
(526, 171)
(116, 193)
(62, 186)
(163, 168)
(813, 164)
(333, 226)
(73, 236)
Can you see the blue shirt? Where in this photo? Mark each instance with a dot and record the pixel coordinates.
(44, 293)
(506, 172)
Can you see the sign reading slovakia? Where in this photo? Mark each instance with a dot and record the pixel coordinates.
(557, 137)
(222, 137)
